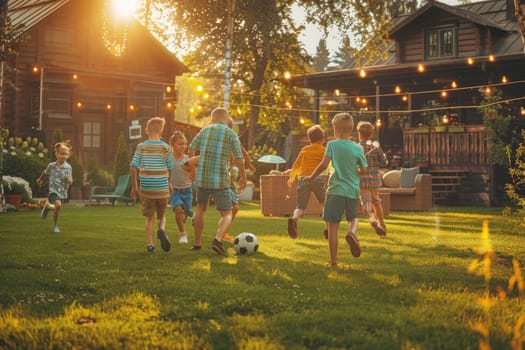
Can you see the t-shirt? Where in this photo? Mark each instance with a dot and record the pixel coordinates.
(180, 178)
(154, 159)
(307, 160)
(346, 157)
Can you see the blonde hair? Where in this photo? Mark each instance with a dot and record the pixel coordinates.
(177, 135)
(220, 114)
(343, 122)
(63, 144)
(365, 130)
(156, 124)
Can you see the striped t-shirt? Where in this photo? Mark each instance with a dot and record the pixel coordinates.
(154, 159)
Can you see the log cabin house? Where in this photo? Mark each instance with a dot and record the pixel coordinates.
(442, 60)
(82, 71)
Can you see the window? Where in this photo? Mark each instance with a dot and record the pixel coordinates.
(440, 42)
(58, 38)
(91, 134)
(57, 101)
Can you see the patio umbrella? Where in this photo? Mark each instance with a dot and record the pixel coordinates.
(272, 159)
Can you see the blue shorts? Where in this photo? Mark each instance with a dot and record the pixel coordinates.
(222, 197)
(235, 195)
(335, 206)
(304, 188)
(182, 197)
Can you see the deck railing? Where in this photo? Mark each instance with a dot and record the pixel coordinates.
(450, 149)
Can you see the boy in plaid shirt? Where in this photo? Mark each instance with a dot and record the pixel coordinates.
(370, 179)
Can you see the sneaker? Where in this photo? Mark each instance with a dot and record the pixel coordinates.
(183, 239)
(164, 242)
(45, 211)
(325, 233)
(218, 247)
(227, 237)
(195, 247)
(292, 228)
(56, 229)
(378, 228)
(150, 248)
(352, 241)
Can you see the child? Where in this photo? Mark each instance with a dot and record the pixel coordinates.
(182, 176)
(343, 186)
(215, 144)
(234, 182)
(151, 165)
(60, 178)
(309, 157)
(370, 181)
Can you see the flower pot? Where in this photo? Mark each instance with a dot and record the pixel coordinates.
(14, 199)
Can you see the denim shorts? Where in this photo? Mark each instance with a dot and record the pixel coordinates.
(336, 205)
(222, 197)
(182, 197)
(235, 195)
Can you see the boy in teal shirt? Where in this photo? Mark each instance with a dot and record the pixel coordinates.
(342, 194)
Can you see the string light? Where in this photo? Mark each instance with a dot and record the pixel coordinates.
(115, 36)
(420, 68)
(454, 84)
(444, 94)
(492, 58)
(397, 89)
(470, 61)
(504, 79)
(362, 73)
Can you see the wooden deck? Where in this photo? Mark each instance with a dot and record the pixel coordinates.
(455, 160)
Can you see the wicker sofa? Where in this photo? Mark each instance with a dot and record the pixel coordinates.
(408, 194)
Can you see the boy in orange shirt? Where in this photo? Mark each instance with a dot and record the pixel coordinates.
(307, 160)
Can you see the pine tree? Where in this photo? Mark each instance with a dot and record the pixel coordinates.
(122, 158)
(345, 56)
(322, 56)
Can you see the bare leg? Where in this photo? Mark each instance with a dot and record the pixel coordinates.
(149, 229)
(297, 213)
(198, 224)
(224, 224)
(180, 217)
(333, 227)
(57, 206)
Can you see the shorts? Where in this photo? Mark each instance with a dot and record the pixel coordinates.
(182, 197)
(369, 198)
(304, 188)
(336, 205)
(149, 206)
(235, 195)
(54, 197)
(222, 197)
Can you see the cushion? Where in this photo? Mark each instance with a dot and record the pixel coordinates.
(408, 176)
(392, 178)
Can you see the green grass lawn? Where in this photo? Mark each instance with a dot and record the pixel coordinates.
(94, 285)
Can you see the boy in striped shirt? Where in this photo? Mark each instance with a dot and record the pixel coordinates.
(370, 180)
(151, 178)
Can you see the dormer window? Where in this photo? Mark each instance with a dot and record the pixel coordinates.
(440, 42)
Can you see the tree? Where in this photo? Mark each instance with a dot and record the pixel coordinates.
(122, 158)
(322, 57)
(265, 41)
(345, 56)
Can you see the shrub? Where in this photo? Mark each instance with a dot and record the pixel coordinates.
(17, 185)
(122, 158)
(98, 176)
(25, 158)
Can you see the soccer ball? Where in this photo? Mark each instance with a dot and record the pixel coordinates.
(246, 243)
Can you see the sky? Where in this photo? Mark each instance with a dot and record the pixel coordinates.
(311, 35)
